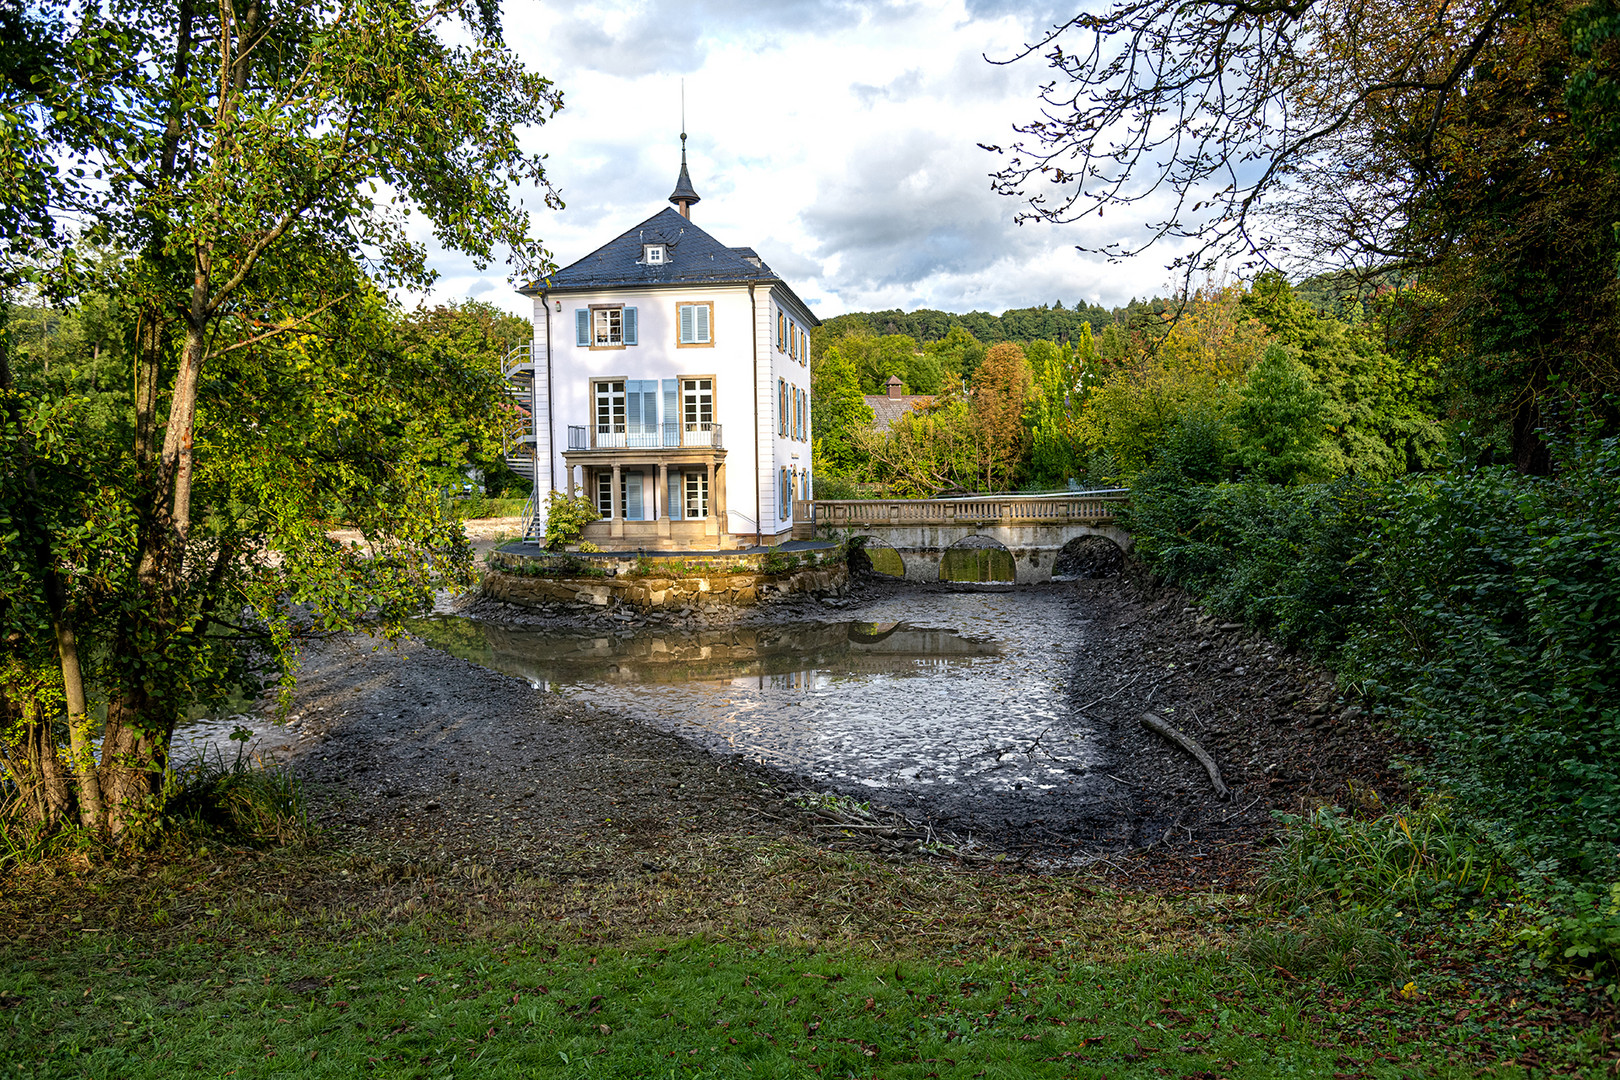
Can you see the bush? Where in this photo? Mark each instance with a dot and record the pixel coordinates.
(566, 518)
(1398, 861)
(1478, 610)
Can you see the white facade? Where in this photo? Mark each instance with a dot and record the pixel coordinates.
(685, 439)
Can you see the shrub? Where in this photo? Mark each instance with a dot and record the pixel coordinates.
(566, 518)
(1478, 609)
(1406, 859)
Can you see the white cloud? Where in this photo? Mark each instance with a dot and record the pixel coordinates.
(838, 138)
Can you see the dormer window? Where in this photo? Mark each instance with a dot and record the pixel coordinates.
(654, 254)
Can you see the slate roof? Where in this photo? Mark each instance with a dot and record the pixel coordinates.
(693, 257)
(886, 410)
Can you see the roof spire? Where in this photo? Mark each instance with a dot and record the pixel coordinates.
(684, 195)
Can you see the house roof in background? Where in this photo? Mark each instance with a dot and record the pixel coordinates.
(886, 410)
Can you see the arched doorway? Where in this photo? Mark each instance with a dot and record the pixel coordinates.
(977, 558)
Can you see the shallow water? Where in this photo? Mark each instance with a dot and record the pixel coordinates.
(962, 694)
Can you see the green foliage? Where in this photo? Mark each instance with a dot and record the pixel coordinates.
(1337, 947)
(1593, 89)
(840, 415)
(1278, 421)
(1490, 628)
(566, 518)
(1478, 610)
(1385, 866)
(1281, 559)
(927, 451)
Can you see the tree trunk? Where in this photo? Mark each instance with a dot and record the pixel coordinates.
(44, 794)
(134, 755)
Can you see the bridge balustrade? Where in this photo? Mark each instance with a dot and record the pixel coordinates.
(853, 513)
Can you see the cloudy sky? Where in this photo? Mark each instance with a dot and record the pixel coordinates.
(836, 137)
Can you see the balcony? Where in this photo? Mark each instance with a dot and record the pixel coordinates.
(645, 437)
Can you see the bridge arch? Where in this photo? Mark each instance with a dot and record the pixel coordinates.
(978, 558)
(1032, 528)
(1093, 555)
(875, 555)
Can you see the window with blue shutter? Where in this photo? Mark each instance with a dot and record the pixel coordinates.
(674, 505)
(641, 409)
(582, 327)
(694, 323)
(630, 326)
(632, 497)
(672, 422)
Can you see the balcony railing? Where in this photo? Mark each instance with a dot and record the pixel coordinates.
(644, 437)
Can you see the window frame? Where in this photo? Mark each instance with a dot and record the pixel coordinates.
(596, 406)
(781, 407)
(654, 254)
(679, 344)
(694, 479)
(680, 400)
(604, 309)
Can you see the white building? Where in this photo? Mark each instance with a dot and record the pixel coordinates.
(671, 386)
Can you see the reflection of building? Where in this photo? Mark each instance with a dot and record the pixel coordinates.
(672, 387)
(795, 651)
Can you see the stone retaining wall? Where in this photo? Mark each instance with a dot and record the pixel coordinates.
(709, 591)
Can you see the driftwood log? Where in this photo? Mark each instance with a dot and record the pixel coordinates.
(1190, 744)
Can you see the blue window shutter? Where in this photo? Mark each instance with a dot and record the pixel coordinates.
(672, 414)
(702, 312)
(632, 497)
(632, 408)
(674, 503)
(688, 331)
(630, 326)
(582, 326)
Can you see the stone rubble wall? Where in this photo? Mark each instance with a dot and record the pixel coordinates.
(710, 591)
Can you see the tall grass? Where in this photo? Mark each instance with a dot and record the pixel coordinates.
(246, 800)
(1424, 858)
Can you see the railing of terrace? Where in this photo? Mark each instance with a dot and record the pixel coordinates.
(656, 437)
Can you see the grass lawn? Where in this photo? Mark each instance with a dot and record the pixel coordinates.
(323, 963)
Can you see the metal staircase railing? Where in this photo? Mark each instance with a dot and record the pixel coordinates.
(517, 439)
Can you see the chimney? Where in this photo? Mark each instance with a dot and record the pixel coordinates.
(894, 386)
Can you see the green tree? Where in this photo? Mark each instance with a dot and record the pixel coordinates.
(840, 415)
(246, 171)
(482, 335)
(1001, 391)
(928, 451)
(1278, 419)
(1379, 406)
(958, 355)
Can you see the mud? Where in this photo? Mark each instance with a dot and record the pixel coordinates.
(420, 748)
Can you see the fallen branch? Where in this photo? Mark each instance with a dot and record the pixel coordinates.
(1190, 744)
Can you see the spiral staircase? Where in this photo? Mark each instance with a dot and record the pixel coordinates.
(518, 444)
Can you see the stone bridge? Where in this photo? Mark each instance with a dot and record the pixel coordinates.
(961, 536)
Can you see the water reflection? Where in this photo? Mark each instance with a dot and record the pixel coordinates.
(892, 701)
(780, 657)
